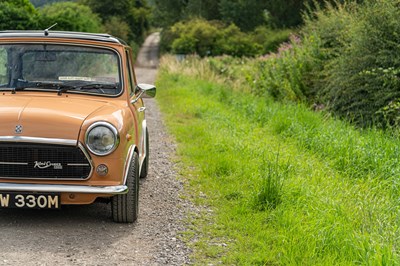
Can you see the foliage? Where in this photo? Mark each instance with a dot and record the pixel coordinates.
(270, 39)
(207, 9)
(338, 204)
(391, 114)
(134, 13)
(69, 16)
(289, 13)
(167, 12)
(363, 78)
(297, 71)
(39, 3)
(247, 15)
(116, 26)
(345, 59)
(17, 15)
(204, 38)
(287, 74)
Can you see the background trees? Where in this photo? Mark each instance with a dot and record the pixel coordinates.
(18, 15)
(132, 15)
(246, 14)
(260, 24)
(127, 19)
(69, 16)
(38, 3)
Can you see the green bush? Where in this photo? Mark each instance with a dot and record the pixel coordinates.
(17, 15)
(116, 26)
(70, 16)
(270, 39)
(329, 26)
(211, 38)
(195, 36)
(348, 60)
(360, 76)
(288, 74)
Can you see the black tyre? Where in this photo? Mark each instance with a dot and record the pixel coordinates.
(125, 208)
(145, 166)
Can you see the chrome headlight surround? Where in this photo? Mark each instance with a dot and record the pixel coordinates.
(97, 134)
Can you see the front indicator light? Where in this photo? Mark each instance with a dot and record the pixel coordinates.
(102, 170)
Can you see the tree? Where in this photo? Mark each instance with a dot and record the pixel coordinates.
(168, 12)
(207, 9)
(17, 15)
(246, 14)
(39, 3)
(135, 13)
(69, 16)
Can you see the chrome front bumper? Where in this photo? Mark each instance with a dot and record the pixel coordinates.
(112, 190)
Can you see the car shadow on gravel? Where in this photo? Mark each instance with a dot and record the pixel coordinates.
(85, 227)
(96, 212)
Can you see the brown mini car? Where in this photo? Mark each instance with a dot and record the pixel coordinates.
(72, 122)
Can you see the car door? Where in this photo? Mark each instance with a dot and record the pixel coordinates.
(137, 106)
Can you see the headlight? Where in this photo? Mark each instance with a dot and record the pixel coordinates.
(102, 138)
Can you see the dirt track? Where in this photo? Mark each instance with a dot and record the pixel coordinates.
(86, 235)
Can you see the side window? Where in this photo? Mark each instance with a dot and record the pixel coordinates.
(131, 85)
(3, 67)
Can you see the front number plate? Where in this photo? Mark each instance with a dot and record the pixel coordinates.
(30, 200)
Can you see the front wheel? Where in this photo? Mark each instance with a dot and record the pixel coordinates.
(125, 207)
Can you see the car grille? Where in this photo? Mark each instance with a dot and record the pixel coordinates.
(43, 161)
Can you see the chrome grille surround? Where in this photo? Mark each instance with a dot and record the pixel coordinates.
(34, 163)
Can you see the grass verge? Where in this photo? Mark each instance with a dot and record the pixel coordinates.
(279, 184)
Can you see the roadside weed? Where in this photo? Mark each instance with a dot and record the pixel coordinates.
(272, 175)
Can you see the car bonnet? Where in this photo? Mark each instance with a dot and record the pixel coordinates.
(44, 117)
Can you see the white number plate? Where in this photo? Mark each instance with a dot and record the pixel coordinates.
(30, 200)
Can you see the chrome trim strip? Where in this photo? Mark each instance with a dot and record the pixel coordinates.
(85, 152)
(112, 190)
(144, 137)
(69, 142)
(10, 163)
(128, 161)
(78, 164)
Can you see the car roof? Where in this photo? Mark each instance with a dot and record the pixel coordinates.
(102, 37)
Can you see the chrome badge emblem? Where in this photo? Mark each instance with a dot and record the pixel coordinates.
(44, 165)
(18, 129)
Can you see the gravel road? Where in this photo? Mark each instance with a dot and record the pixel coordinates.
(86, 235)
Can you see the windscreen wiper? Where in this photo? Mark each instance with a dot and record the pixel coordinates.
(94, 86)
(97, 86)
(60, 87)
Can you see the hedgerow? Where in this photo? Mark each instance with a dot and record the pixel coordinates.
(213, 38)
(347, 60)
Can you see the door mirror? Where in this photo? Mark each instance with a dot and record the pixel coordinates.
(146, 89)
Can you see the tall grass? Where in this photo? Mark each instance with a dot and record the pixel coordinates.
(331, 197)
(272, 175)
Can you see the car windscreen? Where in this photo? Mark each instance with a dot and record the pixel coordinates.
(72, 68)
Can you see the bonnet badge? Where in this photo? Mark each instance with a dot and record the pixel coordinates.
(18, 129)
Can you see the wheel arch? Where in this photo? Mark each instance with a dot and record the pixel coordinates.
(131, 152)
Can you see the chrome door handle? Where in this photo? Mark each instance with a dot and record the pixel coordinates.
(141, 109)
